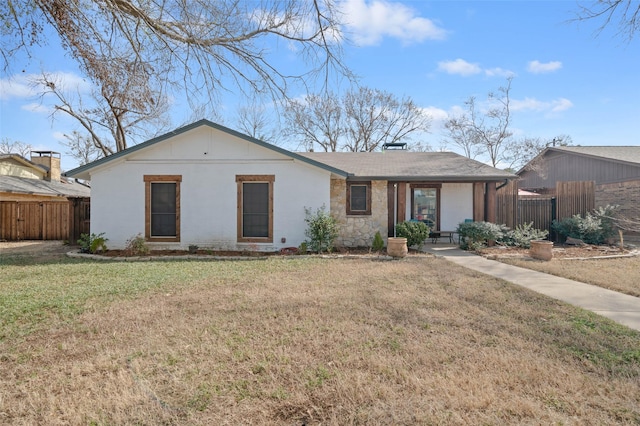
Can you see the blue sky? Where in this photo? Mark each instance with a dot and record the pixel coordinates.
(567, 80)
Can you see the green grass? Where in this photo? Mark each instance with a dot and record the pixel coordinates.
(34, 294)
(302, 340)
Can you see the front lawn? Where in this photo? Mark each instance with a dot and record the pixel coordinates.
(293, 341)
(619, 274)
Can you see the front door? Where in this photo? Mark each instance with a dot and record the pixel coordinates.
(425, 205)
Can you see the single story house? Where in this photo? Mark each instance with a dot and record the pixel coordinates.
(210, 186)
(36, 202)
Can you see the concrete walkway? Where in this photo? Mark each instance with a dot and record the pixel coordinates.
(619, 307)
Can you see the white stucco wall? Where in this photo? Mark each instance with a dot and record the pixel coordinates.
(456, 201)
(208, 161)
(456, 204)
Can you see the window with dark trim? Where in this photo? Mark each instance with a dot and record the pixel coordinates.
(255, 208)
(359, 198)
(162, 208)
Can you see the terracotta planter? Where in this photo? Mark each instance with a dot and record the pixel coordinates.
(397, 247)
(541, 250)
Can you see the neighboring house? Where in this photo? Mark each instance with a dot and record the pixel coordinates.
(207, 185)
(35, 201)
(615, 170)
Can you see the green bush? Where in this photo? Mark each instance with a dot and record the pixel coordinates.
(322, 230)
(523, 235)
(92, 243)
(415, 232)
(475, 235)
(378, 242)
(303, 248)
(595, 228)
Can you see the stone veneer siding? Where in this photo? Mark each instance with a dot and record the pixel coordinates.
(624, 194)
(359, 230)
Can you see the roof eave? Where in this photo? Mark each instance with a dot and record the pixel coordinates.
(598, 157)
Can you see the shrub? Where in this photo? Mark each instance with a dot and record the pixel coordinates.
(607, 218)
(523, 235)
(594, 228)
(92, 243)
(415, 232)
(136, 246)
(475, 235)
(378, 242)
(322, 230)
(303, 248)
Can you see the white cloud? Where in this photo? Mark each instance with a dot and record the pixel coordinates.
(531, 104)
(24, 86)
(538, 67)
(459, 66)
(369, 22)
(436, 114)
(499, 72)
(36, 107)
(561, 104)
(69, 81)
(16, 86)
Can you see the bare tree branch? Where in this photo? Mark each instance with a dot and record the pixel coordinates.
(624, 14)
(202, 47)
(362, 120)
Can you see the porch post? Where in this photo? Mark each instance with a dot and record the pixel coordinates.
(491, 202)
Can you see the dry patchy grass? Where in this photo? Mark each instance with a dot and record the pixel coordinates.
(619, 274)
(304, 341)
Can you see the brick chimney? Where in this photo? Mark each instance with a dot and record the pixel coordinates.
(51, 161)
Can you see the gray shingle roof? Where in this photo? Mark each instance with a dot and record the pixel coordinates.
(22, 185)
(387, 165)
(628, 154)
(407, 165)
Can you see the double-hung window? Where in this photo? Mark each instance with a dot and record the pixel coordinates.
(162, 208)
(255, 208)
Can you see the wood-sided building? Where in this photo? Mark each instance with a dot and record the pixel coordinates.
(614, 171)
(36, 203)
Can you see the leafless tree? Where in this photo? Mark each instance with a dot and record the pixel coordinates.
(254, 120)
(459, 132)
(375, 117)
(8, 146)
(625, 14)
(200, 46)
(525, 153)
(485, 132)
(81, 147)
(114, 113)
(317, 120)
(362, 120)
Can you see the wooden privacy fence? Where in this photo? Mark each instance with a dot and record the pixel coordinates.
(44, 220)
(568, 199)
(541, 211)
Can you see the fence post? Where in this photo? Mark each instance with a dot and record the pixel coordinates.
(553, 235)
